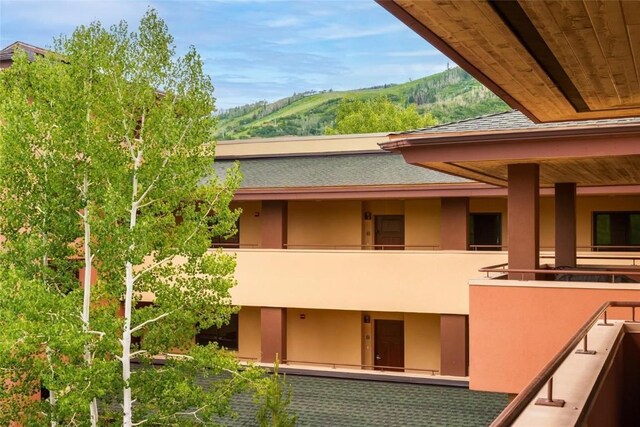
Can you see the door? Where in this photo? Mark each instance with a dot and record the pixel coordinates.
(389, 345)
(486, 231)
(389, 232)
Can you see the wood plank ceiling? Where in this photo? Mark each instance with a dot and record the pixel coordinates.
(553, 60)
(596, 171)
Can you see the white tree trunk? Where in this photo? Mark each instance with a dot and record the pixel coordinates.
(127, 402)
(126, 347)
(86, 303)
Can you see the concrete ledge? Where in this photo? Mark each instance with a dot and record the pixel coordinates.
(370, 375)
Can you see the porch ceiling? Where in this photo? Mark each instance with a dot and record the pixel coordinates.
(598, 155)
(552, 60)
(586, 172)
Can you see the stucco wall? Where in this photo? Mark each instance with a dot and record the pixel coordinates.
(422, 341)
(250, 224)
(324, 336)
(516, 328)
(249, 333)
(422, 223)
(324, 224)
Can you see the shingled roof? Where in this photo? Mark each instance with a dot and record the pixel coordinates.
(512, 120)
(333, 170)
(6, 54)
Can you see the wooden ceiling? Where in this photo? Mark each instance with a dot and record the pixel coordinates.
(552, 60)
(583, 171)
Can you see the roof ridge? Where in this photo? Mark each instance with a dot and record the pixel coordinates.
(468, 119)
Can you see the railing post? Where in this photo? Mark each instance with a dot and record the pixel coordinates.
(549, 401)
(584, 349)
(605, 320)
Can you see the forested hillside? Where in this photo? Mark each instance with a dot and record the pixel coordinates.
(448, 96)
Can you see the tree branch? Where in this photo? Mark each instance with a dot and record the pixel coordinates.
(152, 266)
(146, 322)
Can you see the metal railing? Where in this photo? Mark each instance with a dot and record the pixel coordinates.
(612, 271)
(362, 247)
(545, 376)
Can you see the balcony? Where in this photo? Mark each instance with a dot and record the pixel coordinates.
(347, 279)
(593, 380)
(518, 325)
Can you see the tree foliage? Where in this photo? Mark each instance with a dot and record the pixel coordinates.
(105, 149)
(377, 114)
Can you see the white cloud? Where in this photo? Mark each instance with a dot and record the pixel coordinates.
(284, 22)
(339, 32)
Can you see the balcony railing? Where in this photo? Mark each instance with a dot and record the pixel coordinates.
(577, 344)
(617, 269)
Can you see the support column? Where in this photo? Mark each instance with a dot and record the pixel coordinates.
(565, 199)
(274, 224)
(273, 334)
(454, 223)
(454, 345)
(524, 219)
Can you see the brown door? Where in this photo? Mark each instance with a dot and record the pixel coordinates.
(389, 345)
(389, 232)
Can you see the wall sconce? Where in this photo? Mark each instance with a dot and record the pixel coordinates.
(367, 318)
(303, 316)
(367, 216)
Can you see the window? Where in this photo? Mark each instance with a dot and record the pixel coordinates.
(485, 231)
(229, 242)
(616, 231)
(226, 336)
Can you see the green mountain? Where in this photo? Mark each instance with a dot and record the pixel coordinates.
(450, 95)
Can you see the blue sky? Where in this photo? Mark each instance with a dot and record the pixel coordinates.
(254, 50)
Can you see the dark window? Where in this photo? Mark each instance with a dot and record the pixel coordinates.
(226, 336)
(485, 231)
(227, 242)
(616, 231)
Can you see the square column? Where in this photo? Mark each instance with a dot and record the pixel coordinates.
(565, 200)
(454, 345)
(274, 224)
(273, 334)
(454, 223)
(524, 219)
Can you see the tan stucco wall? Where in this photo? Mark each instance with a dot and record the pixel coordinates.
(324, 224)
(301, 145)
(547, 223)
(250, 224)
(384, 207)
(422, 223)
(585, 206)
(324, 336)
(398, 281)
(249, 333)
(421, 341)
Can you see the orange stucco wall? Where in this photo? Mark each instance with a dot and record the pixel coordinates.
(515, 330)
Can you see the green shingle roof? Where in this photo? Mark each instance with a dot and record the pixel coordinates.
(333, 170)
(334, 402)
(514, 120)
